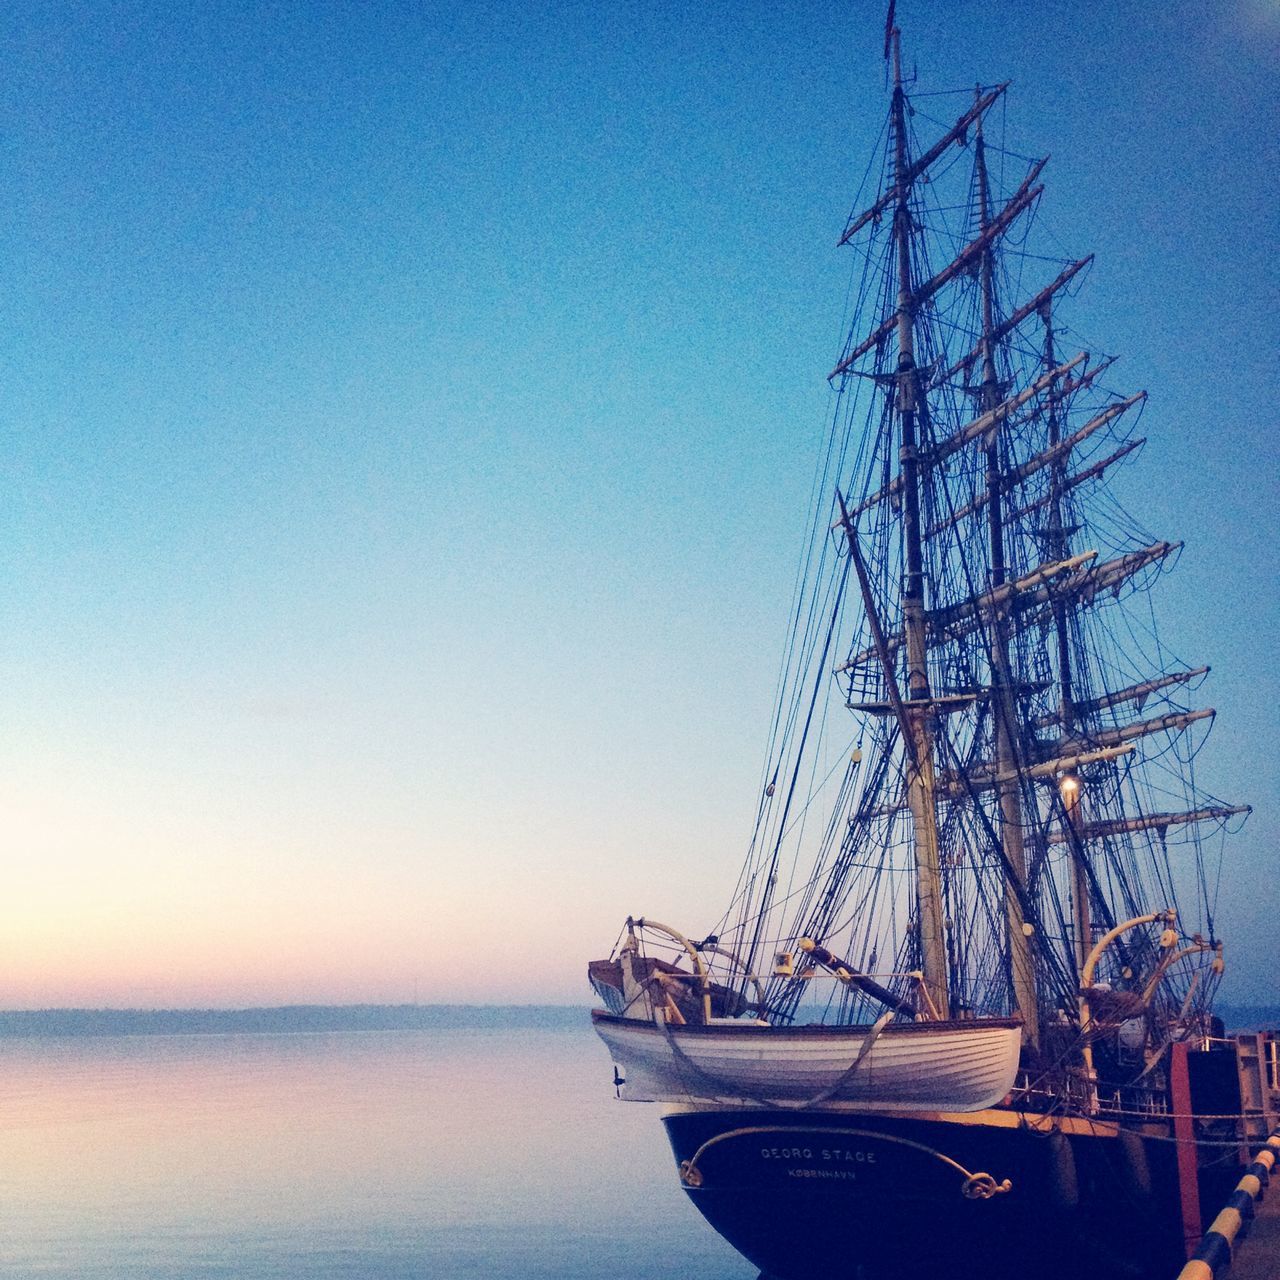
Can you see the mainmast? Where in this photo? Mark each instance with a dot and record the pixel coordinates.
(1003, 702)
(921, 782)
(1070, 786)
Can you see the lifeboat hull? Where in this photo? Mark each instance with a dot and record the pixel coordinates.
(922, 1066)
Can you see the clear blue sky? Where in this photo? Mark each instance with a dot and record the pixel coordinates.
(409, 413)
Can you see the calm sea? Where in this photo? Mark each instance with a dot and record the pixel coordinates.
(445, 1153)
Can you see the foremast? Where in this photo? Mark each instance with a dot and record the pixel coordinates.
(921, 778)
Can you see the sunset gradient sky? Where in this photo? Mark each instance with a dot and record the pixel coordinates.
(409, 415)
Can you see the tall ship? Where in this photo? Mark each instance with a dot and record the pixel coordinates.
(958, 1013)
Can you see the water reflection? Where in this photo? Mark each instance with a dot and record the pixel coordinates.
(381, 1154)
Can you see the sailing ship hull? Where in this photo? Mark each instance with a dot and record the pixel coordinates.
(841, 1195)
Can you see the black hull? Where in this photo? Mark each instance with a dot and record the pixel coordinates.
(803, 1200)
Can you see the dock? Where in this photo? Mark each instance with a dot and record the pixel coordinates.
(1258, 1254)
(1244, 1238)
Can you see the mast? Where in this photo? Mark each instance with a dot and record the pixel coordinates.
(1004, 709)
(994, 668)
(1057, 533)
(1070, 786)
(921, 783)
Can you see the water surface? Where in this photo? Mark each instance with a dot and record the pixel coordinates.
(460, 1153)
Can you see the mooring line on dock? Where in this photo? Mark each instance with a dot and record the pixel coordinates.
(1214, 1254)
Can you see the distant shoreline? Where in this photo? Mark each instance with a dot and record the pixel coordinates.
(372, 1017)
(290, 1018)
(1249, 1017)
